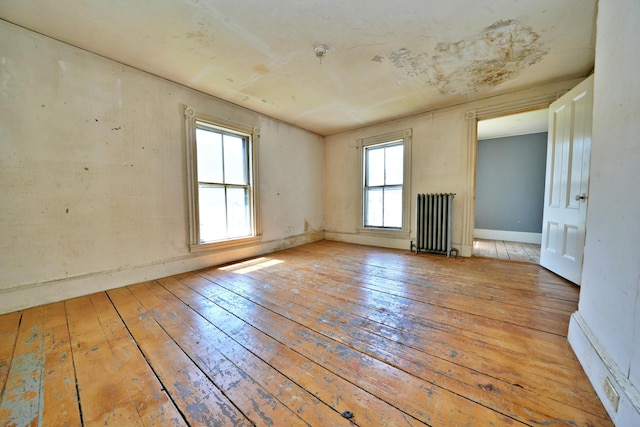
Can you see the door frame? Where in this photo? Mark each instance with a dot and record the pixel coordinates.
(472, 117)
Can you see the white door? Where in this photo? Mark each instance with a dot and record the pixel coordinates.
(567, 182)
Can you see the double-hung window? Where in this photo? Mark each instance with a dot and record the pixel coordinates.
(222, 179)
(385, 187)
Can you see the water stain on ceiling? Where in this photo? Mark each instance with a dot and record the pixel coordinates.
(386, 60)
(498, 53)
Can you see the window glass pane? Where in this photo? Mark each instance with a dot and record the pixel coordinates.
(375, 167)
(238, 212)
(213, 224)
(392, 207)
(373, 207)
(235, 160)
(209, 155)
(393, 165)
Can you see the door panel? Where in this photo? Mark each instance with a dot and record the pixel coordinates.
(567, 181)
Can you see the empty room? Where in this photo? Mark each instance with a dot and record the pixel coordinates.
(270, 213)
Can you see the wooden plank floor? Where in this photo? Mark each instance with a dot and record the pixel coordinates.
(515, 251)
(326, 334)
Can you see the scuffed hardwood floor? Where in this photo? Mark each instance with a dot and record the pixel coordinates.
(306, 336)
(501, 249)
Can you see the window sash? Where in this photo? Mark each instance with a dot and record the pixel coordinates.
(220, 219)
(229, 216)
(380, 189)
(225, 157)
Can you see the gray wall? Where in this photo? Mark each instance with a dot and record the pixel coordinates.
(510, 183)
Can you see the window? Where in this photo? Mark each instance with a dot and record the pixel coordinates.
(385, 187)
(222, 180)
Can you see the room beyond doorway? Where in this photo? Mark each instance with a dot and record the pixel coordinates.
(510, 168)
(501, 249)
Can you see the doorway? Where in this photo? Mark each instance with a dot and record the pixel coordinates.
(510, 177)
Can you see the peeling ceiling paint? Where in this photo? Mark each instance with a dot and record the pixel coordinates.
(498, 53)
(385, 60)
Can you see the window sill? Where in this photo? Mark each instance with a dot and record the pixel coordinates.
(224, 244)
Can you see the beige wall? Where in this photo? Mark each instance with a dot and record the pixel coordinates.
(93, 175)
(606, 330)
(443, 161)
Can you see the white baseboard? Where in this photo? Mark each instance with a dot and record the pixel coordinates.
(31, 295)
(385, 242)
(509, 236)
(369, 240)
(598, 365)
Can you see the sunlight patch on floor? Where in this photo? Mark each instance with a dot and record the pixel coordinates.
(248, 266)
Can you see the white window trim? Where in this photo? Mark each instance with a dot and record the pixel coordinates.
(406, 136)
(191, 116)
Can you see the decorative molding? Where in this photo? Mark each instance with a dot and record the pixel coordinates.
(189, 112)
(192, 172)
(469, 198)
(472, 117)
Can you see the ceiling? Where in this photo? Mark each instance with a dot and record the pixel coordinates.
(514, 124)
(385, 59)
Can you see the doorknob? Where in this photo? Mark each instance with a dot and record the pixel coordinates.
(581, 197)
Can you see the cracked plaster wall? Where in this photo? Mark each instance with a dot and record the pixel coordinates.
(93, 175)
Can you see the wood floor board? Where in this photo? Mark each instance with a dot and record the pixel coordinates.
(502, 251)
(515, 251)
(519, 281)
(524, 316)
(412, 282)
(532, 250)
(322, 382)
(400, 348)
(60, 402)
(434, 405)
(116, 385)
(206, 346)
(484, 249)
(309, 336)
(200, 401)
(382, 312)
(22, 395)
(9, 324)
(441, 343)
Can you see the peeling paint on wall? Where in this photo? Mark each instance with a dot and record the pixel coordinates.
(497, 54)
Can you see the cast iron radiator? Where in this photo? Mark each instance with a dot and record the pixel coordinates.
(434, 219)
